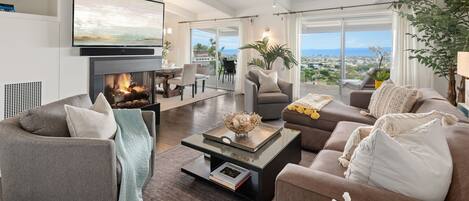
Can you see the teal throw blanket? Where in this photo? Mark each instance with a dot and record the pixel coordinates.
(133, 147)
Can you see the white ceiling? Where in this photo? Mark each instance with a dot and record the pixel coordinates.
(201, 9)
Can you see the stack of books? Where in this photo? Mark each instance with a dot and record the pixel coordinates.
(230, 176)
(7, 7)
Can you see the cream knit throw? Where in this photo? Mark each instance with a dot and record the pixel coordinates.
(311, 104)
(390, 99)
(393, 125)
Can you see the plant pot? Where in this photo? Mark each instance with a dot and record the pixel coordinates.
(378, 83)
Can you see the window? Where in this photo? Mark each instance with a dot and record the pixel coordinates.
(338, 54)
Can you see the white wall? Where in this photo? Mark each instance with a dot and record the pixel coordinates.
(39, 7)
(29, 52)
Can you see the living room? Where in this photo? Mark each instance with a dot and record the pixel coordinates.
(282, 100)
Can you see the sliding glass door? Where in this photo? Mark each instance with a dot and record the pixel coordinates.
(217, 50)
(338, 55)
(320, 62)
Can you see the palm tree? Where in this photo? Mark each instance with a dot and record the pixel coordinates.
(270, 53)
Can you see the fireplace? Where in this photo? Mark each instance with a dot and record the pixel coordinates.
(129, 90)
(126, 82)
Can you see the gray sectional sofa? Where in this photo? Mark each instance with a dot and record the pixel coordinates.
(40, 161)
(324, 179)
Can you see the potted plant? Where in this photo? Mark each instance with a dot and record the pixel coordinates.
(381, 74)
(270, 53)
(443, 27)
(167, 45)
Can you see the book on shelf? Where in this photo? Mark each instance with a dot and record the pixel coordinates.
(7, 7)
(230, 176)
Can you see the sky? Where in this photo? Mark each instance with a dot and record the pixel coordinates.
(352, 40)
(229, 42)
(312, 41)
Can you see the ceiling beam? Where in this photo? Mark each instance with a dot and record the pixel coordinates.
(182, 12)
(284, 4)
(227, 10)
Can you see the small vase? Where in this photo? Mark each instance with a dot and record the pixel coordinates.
(378, 84)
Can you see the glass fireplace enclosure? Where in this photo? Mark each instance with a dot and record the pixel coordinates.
(129, 90)
(126, 82)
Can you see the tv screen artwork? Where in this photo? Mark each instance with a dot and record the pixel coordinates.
(118, 23)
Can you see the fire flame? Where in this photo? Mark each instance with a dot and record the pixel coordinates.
(124, 84)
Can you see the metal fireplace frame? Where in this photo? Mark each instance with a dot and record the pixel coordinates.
(115, 65)
(101, 66)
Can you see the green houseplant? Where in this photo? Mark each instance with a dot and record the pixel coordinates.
(381, 74)
(443, 27)
(270, 53)
(167, 45)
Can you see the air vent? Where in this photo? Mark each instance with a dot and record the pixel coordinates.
(21, 96)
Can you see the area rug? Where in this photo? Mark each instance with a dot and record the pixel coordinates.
(170, 184)
(174, 102)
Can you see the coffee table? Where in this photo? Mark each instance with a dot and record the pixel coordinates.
(264, 164)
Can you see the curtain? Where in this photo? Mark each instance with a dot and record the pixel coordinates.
(293, 40)
(245, 37)
(185, 37)
(405, 71)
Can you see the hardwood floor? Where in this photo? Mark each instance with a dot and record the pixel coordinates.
(181, 122)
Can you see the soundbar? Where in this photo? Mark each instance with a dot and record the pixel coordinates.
(116, 51)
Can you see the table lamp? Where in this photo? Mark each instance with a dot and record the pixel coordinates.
(463, 70)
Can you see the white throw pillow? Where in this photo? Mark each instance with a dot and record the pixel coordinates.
(390, 99)
(393, 124)
(416, 163)
(96, 122)
(268, 81)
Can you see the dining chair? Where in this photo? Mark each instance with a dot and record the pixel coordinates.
(202, 74)
(187, 78)
(229, 71)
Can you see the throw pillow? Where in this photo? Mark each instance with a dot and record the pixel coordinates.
(393, 125)
(50, 120)
(97, 122)
(268, 82)
(392, 99)
(416, 163)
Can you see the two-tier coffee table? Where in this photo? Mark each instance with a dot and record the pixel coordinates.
(265, 164)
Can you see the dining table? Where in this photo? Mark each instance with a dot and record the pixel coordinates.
(165, 74)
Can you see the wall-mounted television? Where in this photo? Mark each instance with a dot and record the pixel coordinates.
(118, 23)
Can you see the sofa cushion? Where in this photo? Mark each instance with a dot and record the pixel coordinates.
(252, 76)
(439, 105)
(341, 134)
(97, 122)
(416, 163)
(49, 120)
(390, 99)
(429, 93)
(458, 140)
(266, 98)
(331, 114)
(326, 161)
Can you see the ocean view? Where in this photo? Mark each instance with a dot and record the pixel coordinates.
(323, 52)
(336, 52)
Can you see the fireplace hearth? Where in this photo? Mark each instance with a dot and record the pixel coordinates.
(126, 82)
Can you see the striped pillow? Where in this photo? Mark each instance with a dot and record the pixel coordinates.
(389, 99)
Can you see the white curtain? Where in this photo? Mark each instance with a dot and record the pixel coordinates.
(293, 40)
(185, 39)
(245, 37)
(405, 71)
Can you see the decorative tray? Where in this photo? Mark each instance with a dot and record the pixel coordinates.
(255, 139)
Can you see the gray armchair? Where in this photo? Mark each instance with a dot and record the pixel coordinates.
(37, 166)
(267, 105)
